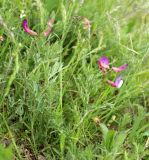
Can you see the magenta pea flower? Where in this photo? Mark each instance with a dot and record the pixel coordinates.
(117, 84)
(27, 29)
(121, 68)
(103, 64)
(46, 33)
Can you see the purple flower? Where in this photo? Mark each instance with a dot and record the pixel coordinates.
(103, 64)
(27, 29)
(46, 33)
(118, 83)
(121, 68)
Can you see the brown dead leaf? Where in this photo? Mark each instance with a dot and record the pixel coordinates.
(96, 120)
(40, 157)
(27, 154)
(1, 38)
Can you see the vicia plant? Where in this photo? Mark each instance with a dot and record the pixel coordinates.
(104, 66)
(33, 33)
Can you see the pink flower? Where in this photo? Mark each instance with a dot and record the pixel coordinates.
(118, 83)
(51, 21)
(87, 24)
(27, 29)
(103, 64)
(46, 33)
(121, 68)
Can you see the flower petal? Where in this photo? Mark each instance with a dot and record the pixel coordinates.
(119, 69)
(103, 63)
(111, 83)
(86, 23)
(27, 29)
(118, 83)
(46, 33)
(51, 21)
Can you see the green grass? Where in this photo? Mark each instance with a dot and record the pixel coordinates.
(52, 90)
